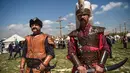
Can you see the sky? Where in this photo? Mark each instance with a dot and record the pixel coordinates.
(15, 15)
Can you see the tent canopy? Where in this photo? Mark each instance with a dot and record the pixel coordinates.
(117, 36)
(128, 34)
(14, 38)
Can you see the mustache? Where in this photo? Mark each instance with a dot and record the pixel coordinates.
(82, 23)
(82, 19)
(34, 28)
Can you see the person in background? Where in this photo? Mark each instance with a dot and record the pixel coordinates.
(125, 40)
(3, 46)
(10, 49)
(109, 42)
(17, 50)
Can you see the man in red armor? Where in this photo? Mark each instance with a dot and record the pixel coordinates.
(38, 50)
(87, 46)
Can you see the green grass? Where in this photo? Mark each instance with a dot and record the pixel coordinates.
(12, 66)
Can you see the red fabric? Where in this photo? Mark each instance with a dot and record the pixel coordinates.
(73, 41)
(74, 69)
(73, 44)
(100, 41)
(93, 48)
(71, 47)
(85, 31)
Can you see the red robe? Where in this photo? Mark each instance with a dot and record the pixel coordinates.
(72, 45)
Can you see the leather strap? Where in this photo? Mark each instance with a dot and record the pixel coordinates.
(76, 60)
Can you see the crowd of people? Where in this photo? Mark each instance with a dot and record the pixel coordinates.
(15, 47)
(2, 46)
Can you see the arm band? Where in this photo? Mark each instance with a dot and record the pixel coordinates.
(104, 58)
(76, 60)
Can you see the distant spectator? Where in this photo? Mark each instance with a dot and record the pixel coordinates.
(10, 49)
(125, 40)
(128, 39)
(21, 45)
(17, 50)
(113, 40)
(109, 42)
(2, 47)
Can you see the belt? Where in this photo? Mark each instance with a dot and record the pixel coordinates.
(33, 62)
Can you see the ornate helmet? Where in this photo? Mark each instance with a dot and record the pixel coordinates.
(83, 7)
(35, 21)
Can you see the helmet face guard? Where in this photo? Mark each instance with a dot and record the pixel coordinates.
(35, 21)
(83, 7)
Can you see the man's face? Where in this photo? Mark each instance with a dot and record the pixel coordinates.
(83, 20)
(35, 28)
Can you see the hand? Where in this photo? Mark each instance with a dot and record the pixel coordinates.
(41, 67)
(82, 69)
(98, 69)
(21, 70)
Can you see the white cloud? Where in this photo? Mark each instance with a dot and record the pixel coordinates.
(99, 12)
(46, 22)
(94, 6)
(17, 26)
(66, 17)
(24, 29)
(71, 26)
(126, 6)
(11, 26)
(109, 6)
(97, 23)
(20, 29)
(61, 19)
(110, 29)
(47, 27)
(48, 30)
(69, 15)
(67, 27)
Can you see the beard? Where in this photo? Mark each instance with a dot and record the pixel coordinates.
(83, 23)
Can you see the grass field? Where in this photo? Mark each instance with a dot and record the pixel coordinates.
(64, 65)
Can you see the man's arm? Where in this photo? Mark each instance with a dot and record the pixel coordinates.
(49, 43)
(22, 63)
(49, 47)
(105, 52)
(105, 45)
(72, 54)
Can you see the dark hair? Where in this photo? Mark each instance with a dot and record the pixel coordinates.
(35, 21)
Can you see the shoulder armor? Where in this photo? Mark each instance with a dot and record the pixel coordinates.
(98, 29)
(27, 36)
(73, 33)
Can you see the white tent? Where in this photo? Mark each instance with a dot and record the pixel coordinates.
(117, 37)
(13, 38)
(128, 34)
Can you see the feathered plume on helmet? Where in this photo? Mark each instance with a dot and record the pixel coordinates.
(83, 7)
